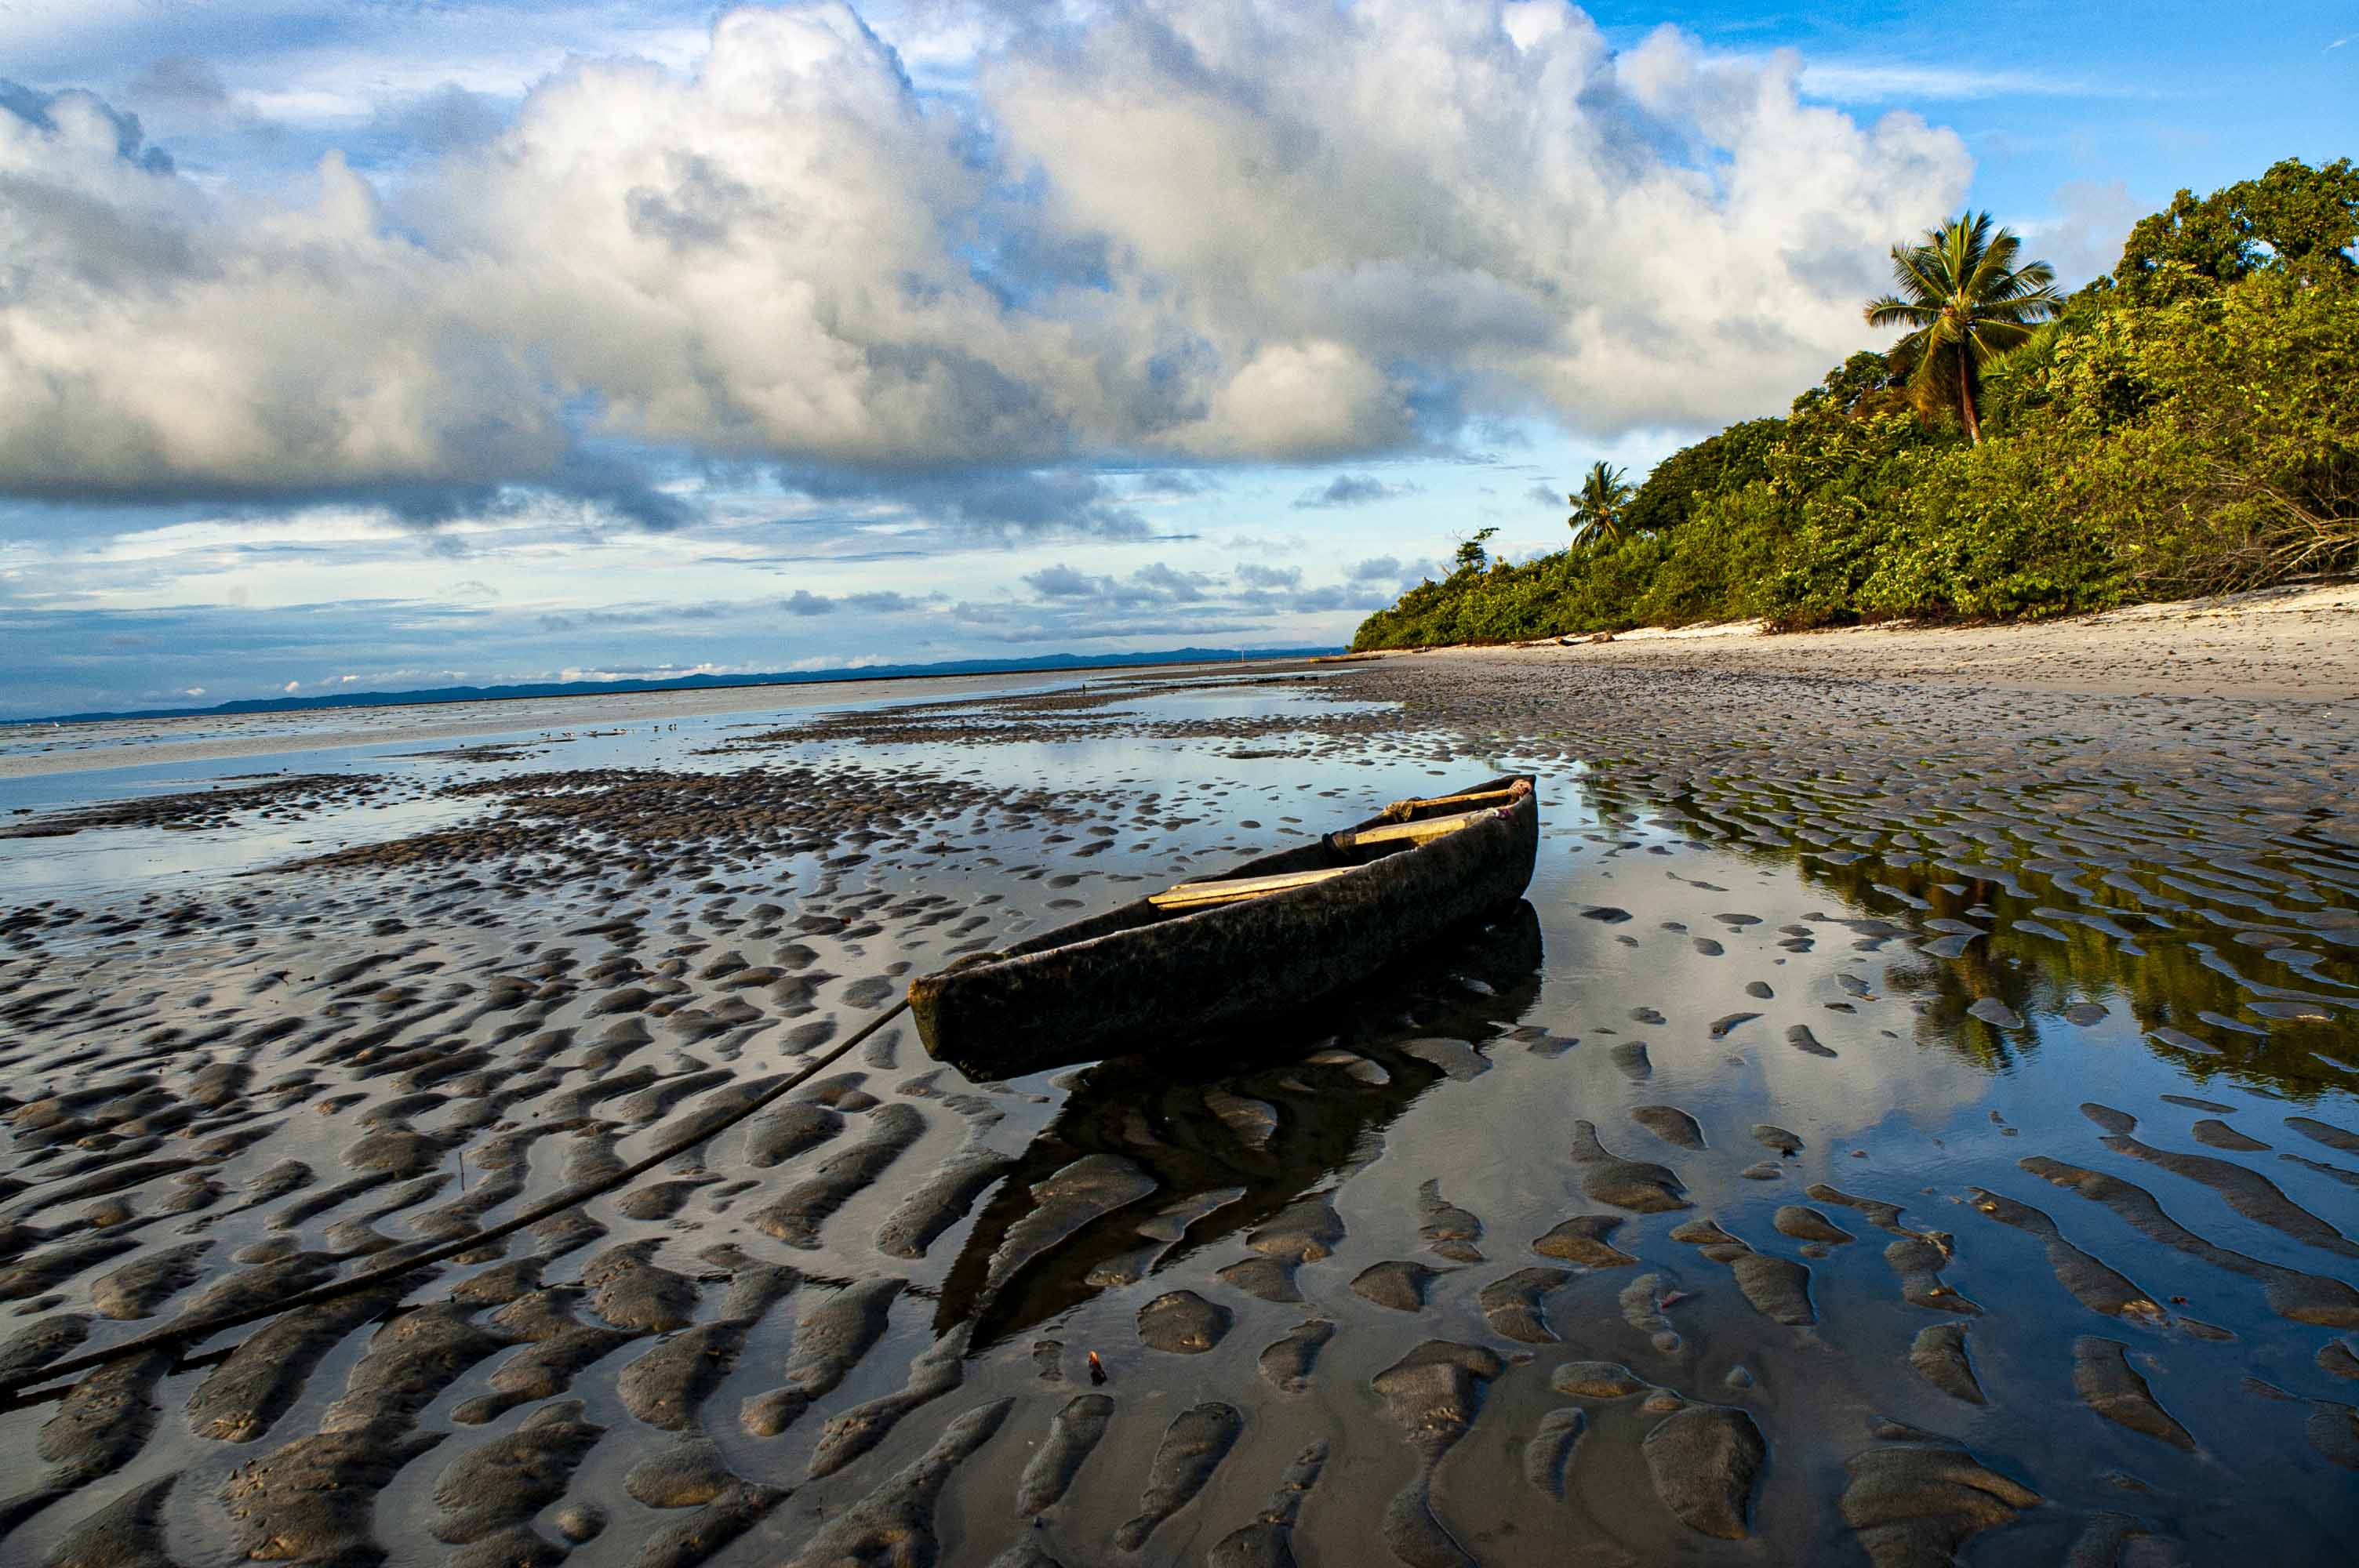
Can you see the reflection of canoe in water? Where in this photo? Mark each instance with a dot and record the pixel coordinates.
(1273, 934)
(1151, 1164)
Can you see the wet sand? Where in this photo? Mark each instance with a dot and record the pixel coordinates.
(1914, 1116)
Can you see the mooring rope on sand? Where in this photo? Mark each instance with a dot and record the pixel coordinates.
(180, 1334)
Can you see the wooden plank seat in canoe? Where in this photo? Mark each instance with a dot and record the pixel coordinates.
(1271, 937)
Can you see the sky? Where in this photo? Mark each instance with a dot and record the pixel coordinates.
(392, 343)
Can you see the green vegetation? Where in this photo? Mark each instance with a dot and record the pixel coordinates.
(1597, 505)
(1968, 305)
(2185, 426)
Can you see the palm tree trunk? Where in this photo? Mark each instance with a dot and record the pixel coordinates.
(1966, 395)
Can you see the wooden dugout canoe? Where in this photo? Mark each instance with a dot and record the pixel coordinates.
(1272, 936)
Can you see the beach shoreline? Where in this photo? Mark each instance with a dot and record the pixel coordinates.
(2297, 643)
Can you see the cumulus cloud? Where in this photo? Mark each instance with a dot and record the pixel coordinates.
(992, 502)
(1377, 568)
(885, 602)
(82, 120)
(1219, 231)
(1483, 195)
(153, 341)
(1352, 489)
(177, 81)
(1156, 583)
(804, 602)
(1061, 581)
(448, 119)
(1159, 600)
(1177, 587)
(1342, 596)
(1261, 576)
(1175, 483)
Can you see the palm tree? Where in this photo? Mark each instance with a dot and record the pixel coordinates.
(1967, 303)
(1599, 505)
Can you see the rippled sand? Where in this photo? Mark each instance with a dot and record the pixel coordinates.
(1907, 1119)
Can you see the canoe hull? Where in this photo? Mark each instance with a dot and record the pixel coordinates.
(1134, 980)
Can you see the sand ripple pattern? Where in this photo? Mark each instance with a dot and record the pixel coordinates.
(1984, 1060)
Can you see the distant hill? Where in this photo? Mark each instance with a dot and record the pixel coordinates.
(1046, 664)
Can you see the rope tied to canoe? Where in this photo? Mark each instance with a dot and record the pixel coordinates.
(175, 1334)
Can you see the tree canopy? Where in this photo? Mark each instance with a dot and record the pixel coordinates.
(2293, 218)
(1729, 460)
(1597, 505)
(1966, 301)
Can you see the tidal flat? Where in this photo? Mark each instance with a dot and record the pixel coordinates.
(1906, 1121)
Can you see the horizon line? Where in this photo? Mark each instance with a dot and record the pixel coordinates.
(532, 691)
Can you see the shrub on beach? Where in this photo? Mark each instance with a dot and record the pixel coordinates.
(2192, 432)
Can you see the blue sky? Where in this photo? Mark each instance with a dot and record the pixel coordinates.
(383, 345)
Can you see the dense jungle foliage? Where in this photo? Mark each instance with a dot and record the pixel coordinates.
(2189, 425)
